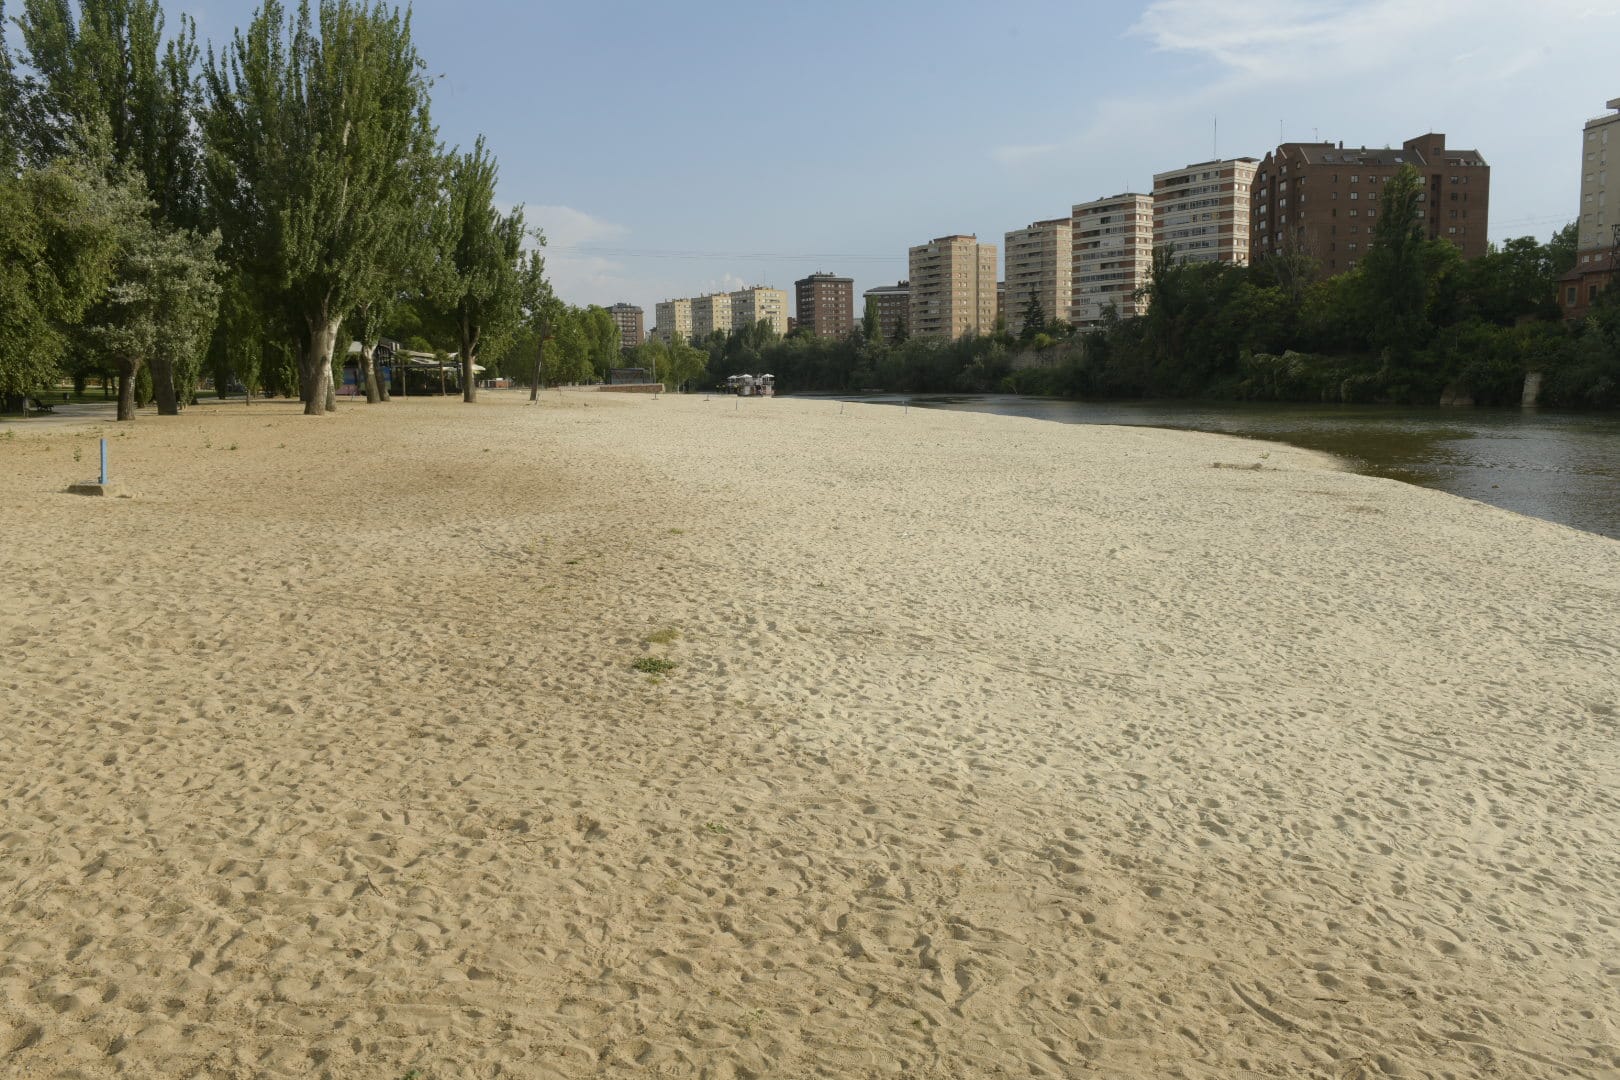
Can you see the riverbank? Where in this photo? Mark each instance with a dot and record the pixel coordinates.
(992, 746)
(1560, 466)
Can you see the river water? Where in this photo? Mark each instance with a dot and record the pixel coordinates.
(1559, 466)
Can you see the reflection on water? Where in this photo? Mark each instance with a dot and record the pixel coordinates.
(1562, 467)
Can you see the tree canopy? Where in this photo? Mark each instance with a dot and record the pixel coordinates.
(312, 129)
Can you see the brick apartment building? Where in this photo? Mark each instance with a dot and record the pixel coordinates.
(893, 309)
(825, 304)
(1321, 199)
(628, 318)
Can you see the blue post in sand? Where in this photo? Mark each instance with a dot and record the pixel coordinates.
(104, 461)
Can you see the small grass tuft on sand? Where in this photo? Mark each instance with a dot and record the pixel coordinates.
(654, 665)
(668, 635)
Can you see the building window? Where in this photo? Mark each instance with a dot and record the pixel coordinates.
(1569, 296)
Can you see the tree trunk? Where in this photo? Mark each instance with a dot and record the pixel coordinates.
(315, 368)
(368, 372)
(126, 390)
(539, 366)
(469, 349)
(168, 402)
(382, 384)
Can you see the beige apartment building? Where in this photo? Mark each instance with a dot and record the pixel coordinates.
(1113, 256)
(674, 321)
(757, 303)
(1040, 261)
(893, 309)
(953, 287)
(711, 313)
(1202, 212)
(1600, 200)
(627, 317)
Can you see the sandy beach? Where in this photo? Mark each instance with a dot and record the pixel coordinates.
(992, 747)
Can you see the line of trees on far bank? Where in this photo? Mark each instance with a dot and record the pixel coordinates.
(248, 212)
(1412, 324)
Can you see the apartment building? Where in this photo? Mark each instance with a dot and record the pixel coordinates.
(711, 313)
(1040, 261)
(674, 321)
(953, 287)
(893, 309)
(1597, 235)
(759, 303)
(1600, 202)
(1112, 241)
(825, 304)
(1321, 199)
(1201, 212)
(628, 318)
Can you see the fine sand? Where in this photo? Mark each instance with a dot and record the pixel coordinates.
(995, 748)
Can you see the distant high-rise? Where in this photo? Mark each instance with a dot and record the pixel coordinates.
(1040, 260)
(674, 321)
(759, 303)
(893, 309)
(1202, 212)
(953, 287)
(627, 317)
(1321, 199)
(825, 304)
(1597, 230)
(711, 313)
(1600, 203)
(1113, 256)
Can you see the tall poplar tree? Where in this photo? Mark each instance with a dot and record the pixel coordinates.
(10, 102)
(482, 272)
(1393, 271)
(311, 131)
(111, 72)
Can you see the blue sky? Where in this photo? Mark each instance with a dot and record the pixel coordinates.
(673, 149)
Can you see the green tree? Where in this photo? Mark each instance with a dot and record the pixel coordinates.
(605, 340)
(10, 103)
(871, 324)
(1561, 249)
(1034, 318)
(58, 241)
(310, 134)
(158, 311)
(112, 70)
(481, 289)
(1393, 271)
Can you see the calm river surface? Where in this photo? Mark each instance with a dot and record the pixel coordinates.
(1560, 466)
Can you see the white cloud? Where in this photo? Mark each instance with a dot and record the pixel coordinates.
(565, 226)
(1271, 41)
(577, 274)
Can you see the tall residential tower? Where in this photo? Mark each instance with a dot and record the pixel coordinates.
(1202, 211)
(825, 304)
(1040, 259)
(1113, 256)
(953, 287)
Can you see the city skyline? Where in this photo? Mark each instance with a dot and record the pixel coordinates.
(645, 213)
